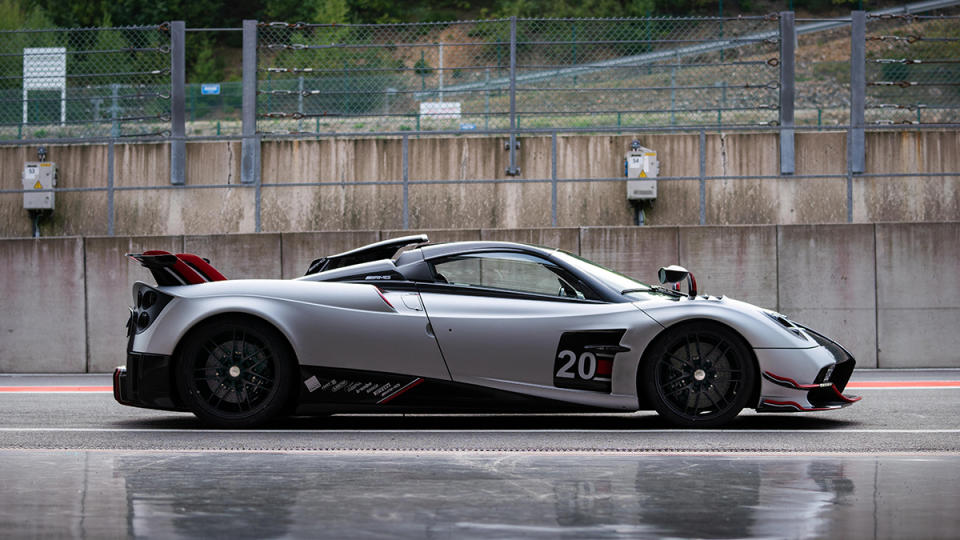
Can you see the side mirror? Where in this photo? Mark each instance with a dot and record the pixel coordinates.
(674, 274)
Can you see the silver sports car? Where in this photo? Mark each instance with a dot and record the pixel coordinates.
(407, 326)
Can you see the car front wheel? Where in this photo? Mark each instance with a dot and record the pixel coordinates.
(699, 374)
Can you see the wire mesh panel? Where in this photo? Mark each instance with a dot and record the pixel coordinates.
(651, 71)
(84, 82)
(823, 74)
(392, 77)
(316, 78)
(913, 68)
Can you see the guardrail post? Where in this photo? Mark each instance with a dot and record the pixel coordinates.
(788, 41)
(250, 147)
(858, 90)
(178, 143)
(512, 169)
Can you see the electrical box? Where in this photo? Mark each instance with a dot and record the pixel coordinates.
(641, 168)
(39, 176)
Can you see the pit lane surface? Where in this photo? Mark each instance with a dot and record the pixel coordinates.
(75, 463)
(902, 418)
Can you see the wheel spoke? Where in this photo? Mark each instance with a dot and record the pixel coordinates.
(687, 363)
(723, 399)
(218, 396)
(674, 391)
(675, 380)
(266, 380)
(696, 402)
(707, 393)
(213, 353)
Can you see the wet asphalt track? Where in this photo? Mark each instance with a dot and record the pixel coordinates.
(77, 464)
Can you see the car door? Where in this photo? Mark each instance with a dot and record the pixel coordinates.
(518, 322)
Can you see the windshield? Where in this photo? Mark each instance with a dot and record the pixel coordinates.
(615, 280)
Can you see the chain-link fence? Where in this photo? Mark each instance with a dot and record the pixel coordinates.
(913, 68)
(85, 82)
(509, 74)
(558, 73)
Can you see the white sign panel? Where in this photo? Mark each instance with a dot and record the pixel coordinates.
(440, 109)
(45, 68)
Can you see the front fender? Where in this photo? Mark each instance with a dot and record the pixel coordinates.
(760, 331)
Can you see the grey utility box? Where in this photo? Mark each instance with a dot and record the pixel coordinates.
(39, 176)
(642, 168)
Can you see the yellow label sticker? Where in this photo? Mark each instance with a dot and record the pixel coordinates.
(44, 164)
(38, 185)
(643, 174)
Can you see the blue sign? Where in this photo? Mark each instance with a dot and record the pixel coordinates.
(467, 127)
(210, 89)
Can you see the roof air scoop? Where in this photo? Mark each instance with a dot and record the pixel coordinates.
(372, 252)
(674, 274)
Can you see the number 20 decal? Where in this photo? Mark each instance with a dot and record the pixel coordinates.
(586, 365)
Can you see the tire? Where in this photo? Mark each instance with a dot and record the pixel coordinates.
(236, 373)
(698, 374)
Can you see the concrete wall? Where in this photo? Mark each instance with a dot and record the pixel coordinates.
(888, 292)
(345, 205)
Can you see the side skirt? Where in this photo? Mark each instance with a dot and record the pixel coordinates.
(333, 390)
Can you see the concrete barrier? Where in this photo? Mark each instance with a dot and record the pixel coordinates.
(109, 279)
(638, 252)
(342, 203)
(827, 279)
(736, 261)
(888, 292)
(240, 256)
(567, 238)
(918, 294)
(43, 313)
(300, 249)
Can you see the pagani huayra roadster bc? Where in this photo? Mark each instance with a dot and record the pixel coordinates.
(463, 327)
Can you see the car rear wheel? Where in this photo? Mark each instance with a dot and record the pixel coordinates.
(699, 374)
(236, 373)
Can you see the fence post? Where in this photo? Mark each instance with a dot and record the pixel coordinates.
(110, 183)
(858, 89)
(250, 147)
(553, 179)
(178, 143)
(405, 163)
(512, 169)
(788, 40)
(703, 179)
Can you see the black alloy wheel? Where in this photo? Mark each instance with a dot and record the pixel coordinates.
(236, 373)
(699, 374)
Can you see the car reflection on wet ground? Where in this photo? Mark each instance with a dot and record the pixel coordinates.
(477, 494)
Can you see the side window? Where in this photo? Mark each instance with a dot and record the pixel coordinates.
(510, 271)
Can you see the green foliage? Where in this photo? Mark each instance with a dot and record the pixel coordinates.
(206, 65)
(15, 15)
(574, 8)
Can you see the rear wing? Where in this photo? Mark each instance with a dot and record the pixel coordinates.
(373, 252)
(179, 269)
